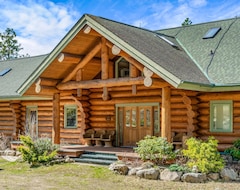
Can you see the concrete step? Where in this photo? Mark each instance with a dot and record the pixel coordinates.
(97, 158)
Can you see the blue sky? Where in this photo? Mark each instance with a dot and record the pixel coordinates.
(41, 24)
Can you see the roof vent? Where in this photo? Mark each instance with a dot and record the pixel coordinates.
(211, 33)
(5, 71)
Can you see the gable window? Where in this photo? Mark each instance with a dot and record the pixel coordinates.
(70, 116)
(121, 68)
(221, 116)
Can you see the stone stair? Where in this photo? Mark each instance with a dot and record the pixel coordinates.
(97, 158)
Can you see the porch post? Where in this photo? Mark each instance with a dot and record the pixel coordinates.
(166, 114)
(56, 119)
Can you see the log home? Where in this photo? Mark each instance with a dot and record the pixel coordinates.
(106, 75)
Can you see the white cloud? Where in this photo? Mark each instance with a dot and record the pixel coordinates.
(39, 27)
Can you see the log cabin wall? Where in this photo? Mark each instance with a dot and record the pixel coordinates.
(183, 106)
(225, 139)
(8, 118)
(45, 119)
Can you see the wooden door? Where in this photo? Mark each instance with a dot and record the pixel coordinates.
(31, 128)
(130, 129)
(138, 122)
(145, 121)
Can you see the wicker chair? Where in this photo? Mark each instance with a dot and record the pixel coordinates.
(108, 138)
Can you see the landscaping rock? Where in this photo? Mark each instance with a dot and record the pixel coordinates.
(168, 175)
(213, 176)
(194, 178)
(228, 174)
(150, 173)
(121, 169)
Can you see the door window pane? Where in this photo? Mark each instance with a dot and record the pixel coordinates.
(127, 118)
(148, 117)
(134, 119)
(141, 117)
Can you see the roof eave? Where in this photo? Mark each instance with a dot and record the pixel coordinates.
(208, 87)
(54, 53)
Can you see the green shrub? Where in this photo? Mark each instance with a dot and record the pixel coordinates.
(178, 168)
(204, 155)
(155, 149)
(234, 151)
(40, 151)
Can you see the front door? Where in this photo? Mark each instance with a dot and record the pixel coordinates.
(32, 122)
(135, 122)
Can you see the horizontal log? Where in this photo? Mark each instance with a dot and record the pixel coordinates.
(98, 113)
(103, 124)
(37, 103)
(121, 94)
(125, 88)
(220, 96)
(102, 108)
(7, 123)
(125, 100)
(98, 83)
(47, 81)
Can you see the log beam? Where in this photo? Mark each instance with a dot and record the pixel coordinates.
(115, 82)
(166, 114)
(56, 119)
(83, 62)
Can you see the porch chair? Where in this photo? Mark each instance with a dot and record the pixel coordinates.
(88, 136)
(178, 140)
(108, 138)
(97, 136)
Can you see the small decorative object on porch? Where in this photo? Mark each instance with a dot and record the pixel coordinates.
(108, 138)
(88, 136)
(97, 137)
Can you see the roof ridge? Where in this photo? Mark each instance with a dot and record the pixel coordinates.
(197, 24)
(20, 58)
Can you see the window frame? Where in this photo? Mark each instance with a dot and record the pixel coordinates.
(221, 102)
(65, 116)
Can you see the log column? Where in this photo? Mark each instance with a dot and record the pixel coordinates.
(166, 113)
(56, 119)
(105, 66)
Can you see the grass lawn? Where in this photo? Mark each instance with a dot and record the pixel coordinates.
(19, 176)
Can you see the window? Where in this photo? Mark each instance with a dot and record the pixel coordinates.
(211, 33)
(70, 116)
(121, 68)
(221, 116)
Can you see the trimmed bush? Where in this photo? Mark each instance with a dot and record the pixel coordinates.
(155, 149)
(204, 155)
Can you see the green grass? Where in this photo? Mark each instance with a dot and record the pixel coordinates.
(17, 175)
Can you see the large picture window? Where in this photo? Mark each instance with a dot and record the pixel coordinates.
(221, 116)
(70, 116)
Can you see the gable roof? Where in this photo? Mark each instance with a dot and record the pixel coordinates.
(217, 57)
(20, 71)
(170, 63)
(178, 55)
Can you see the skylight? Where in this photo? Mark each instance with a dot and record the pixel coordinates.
(168, 41)
(5, 71)
(211, 33)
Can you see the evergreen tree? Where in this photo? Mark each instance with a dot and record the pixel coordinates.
(9, 46)
(187, 22)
